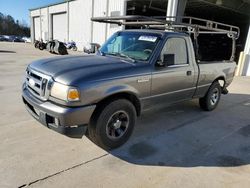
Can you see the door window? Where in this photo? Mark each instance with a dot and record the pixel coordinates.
(176, 46)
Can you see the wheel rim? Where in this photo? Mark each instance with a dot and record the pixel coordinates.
(215, 96)
(117, 125)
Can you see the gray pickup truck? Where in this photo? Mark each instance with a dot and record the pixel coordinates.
(133, 71)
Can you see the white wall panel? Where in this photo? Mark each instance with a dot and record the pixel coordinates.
(35, 13)
(115, 7)
(99, 29)
(59, 27)
(79, 28)
(45, 24)
(58, 8)
(79, 22)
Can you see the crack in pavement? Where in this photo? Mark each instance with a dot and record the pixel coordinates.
(62, 171)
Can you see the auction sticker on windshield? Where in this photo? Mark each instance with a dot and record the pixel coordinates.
(148, 38)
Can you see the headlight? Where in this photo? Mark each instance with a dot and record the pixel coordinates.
(63, 92)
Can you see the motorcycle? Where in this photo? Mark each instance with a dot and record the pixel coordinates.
(71, 45)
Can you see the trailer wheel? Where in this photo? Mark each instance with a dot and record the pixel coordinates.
(210, 101)
(112, 125)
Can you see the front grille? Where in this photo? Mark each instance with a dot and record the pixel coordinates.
(38, 84)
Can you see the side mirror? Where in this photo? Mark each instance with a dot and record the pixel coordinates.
(168, 60)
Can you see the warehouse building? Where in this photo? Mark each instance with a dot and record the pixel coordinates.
(70, 20)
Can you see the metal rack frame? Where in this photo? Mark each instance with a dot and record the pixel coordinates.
(190, 25)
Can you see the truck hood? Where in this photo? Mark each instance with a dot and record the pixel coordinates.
(72, 69)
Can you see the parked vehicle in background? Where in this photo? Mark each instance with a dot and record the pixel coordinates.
(17, 39)
(3, 38)
(71, 45)
(7, 38)
(27, 39)
(133, 71)
(91, 48)
(13, 38)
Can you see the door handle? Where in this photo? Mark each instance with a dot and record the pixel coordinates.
(189, 73)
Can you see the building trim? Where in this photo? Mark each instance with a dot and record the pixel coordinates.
(49, 5)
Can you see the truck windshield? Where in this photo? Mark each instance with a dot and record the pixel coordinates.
(134, 46)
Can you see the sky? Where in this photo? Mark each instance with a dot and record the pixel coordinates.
(19, 9)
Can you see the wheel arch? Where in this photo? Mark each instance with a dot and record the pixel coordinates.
(120, 95)
(221, 80)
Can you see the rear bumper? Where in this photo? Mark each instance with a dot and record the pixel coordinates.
(65, 120)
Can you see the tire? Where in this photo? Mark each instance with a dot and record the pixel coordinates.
(112, 125)
(74, 48)
(41, 46)
(211, 100)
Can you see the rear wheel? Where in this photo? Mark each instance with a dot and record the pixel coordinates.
(212, 98)
(112, 125)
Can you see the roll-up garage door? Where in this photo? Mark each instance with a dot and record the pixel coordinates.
(59, 27)
(37, 28)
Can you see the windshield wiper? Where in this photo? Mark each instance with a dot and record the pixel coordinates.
(126, 56)
(121, 55)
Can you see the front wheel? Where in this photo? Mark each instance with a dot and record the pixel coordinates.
(74, 48)
(212, 98)
(112, 126)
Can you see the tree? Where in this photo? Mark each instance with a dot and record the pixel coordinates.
(8, 26)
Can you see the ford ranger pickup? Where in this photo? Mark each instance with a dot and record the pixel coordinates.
(133, 71)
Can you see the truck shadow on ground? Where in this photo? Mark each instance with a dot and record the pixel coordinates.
(185, 136)
(7, 51)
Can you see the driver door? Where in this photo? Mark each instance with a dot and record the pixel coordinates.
(175, 82)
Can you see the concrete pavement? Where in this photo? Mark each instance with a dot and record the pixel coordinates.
(178, 146)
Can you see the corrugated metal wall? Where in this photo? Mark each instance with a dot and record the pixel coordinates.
(116, 8)
(99, 29)
(106, 8)
(45, 24)
(77, 21)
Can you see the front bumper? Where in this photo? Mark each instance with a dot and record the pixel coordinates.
(65, 120)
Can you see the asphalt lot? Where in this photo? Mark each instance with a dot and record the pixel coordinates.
(179, 146)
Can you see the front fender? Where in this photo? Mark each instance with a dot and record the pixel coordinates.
(121, 89)
(97, 92)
